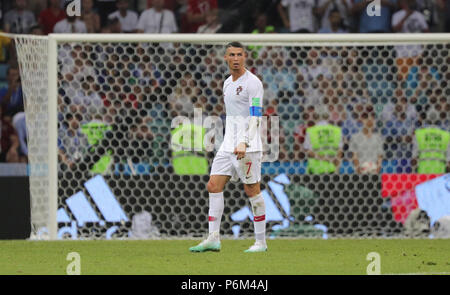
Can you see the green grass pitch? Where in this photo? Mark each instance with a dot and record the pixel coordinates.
(171, 257)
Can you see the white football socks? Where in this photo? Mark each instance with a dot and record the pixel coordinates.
(216, 205)
(259, 219)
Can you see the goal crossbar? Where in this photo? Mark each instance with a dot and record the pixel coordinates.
(267, 39)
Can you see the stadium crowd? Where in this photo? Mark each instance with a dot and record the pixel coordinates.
(226, 16)
(301, 96)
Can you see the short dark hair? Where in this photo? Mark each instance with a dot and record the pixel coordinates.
(235, 44)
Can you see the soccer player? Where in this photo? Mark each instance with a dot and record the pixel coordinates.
(240, 154)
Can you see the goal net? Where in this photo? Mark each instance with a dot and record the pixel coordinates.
(107, 159)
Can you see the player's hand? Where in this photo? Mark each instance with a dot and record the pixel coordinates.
(239, 151)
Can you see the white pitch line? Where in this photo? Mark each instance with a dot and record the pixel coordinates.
(417, 273)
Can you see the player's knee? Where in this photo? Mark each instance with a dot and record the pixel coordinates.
(252, 190)
(213, 187)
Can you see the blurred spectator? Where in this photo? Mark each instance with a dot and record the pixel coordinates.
(326, 7)
(434, 13)
(36, 6)
(437, 111)
(397, 133)
(20, 126)
(168, 4)
(9, 147)
(273, 69)
(261, 25)
(5, 48)
(212, 24)
(335, 23)
(313, 71)
(113, 27)
(157, 20)
(72, 143)
(184, 96)
(424, 78)
(50, 16)
(80, 72)
(431, 149)
(269, 8)
(354, 105)
(306, 120)
(19, 20)
(400, 105)
(366, 146)
(36, 30)
(90, 18)
(408, 19)
(336, 110)
(324, 144)
(128, 18)
(71, 24)
(300, 17)
(104, 9)
(180, 11)
(447, 14)
(375, 23)
(441, 15)
(197, 11)
(241, 16)
(11, 96)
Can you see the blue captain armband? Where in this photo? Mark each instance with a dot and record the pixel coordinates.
(255, 107)
(256, 111)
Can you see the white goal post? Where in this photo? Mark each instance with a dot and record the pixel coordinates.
(25, 44)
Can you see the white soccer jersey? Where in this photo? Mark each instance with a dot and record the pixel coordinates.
(243, 97)
(129, 22)
(154, 22)
(301, 14)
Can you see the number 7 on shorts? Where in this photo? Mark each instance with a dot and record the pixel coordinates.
(249, 166)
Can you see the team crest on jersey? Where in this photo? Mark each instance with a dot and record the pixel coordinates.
(239, 90)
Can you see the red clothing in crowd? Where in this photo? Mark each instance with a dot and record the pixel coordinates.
(48, 19)
(197, 7)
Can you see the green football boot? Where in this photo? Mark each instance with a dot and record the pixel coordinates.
(212, 243)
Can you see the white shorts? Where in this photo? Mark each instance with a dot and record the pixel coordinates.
(248, 169)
